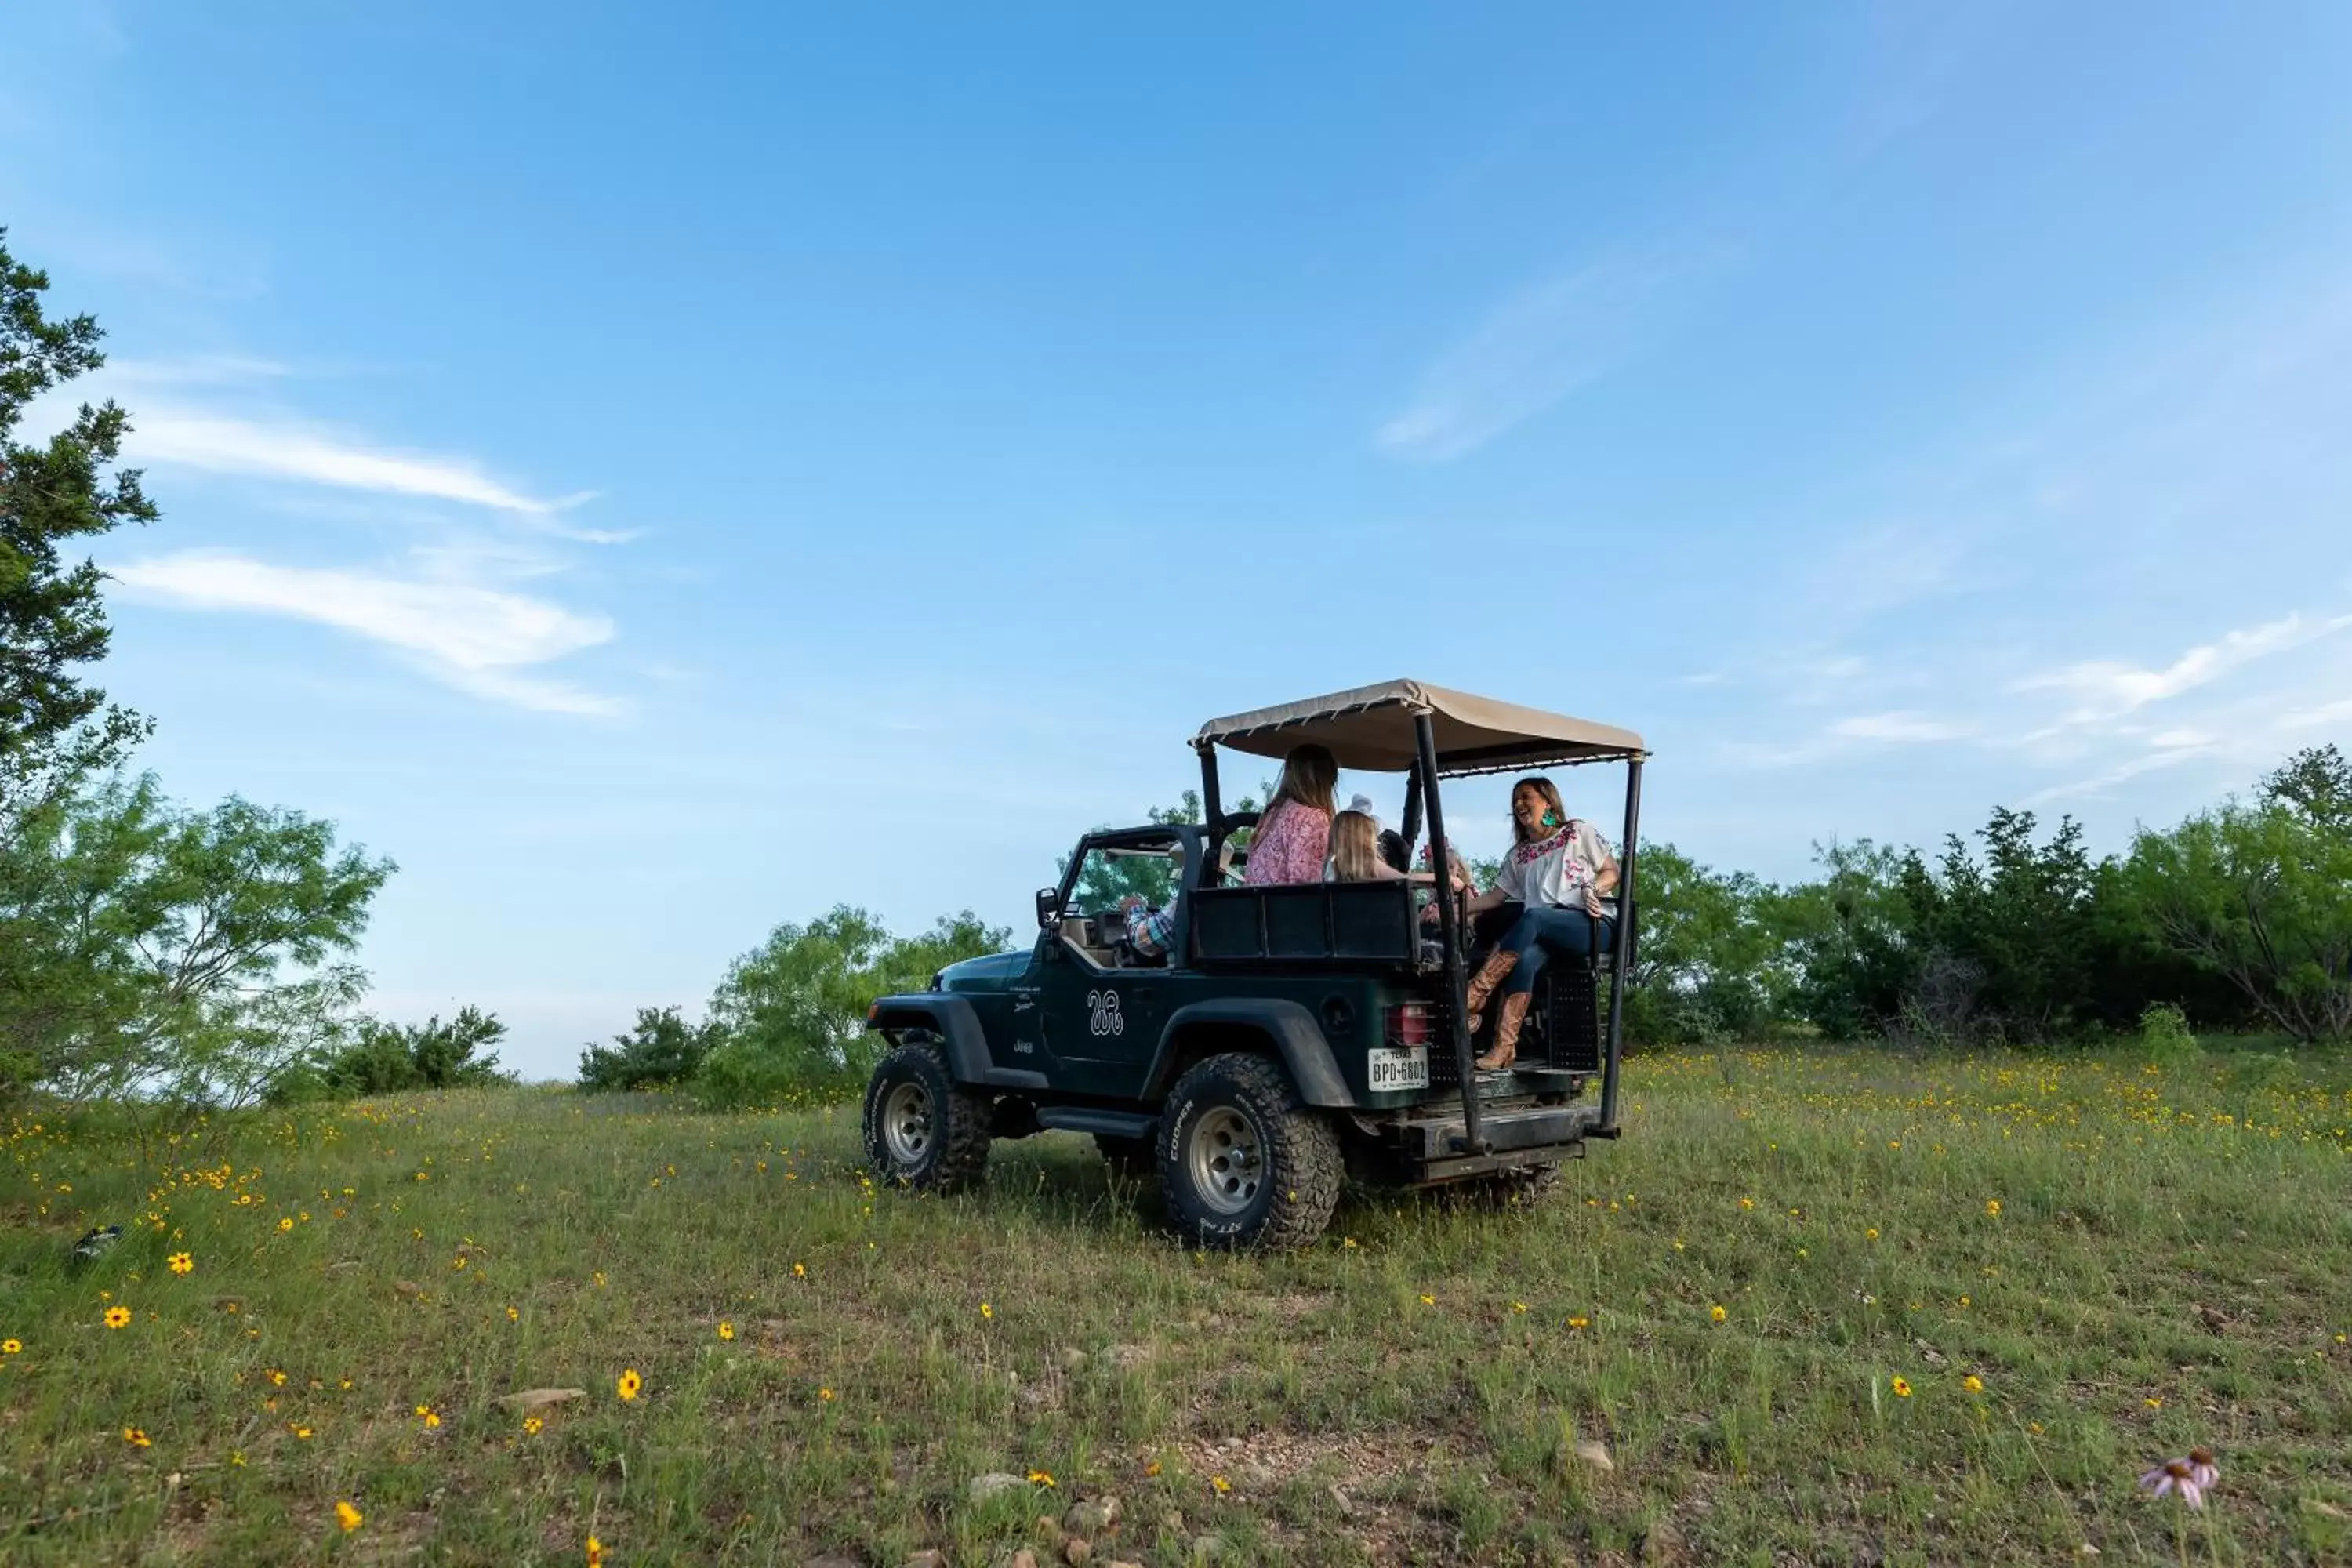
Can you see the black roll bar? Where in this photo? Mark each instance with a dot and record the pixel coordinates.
(1449, 925)
(1623, 958)
(1213, 806)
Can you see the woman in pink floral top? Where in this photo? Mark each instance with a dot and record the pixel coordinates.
(1294, 832)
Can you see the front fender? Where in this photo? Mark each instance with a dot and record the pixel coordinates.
(1291, 1028)
(957, 1024)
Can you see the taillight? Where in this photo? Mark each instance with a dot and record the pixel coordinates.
(1409, 1024)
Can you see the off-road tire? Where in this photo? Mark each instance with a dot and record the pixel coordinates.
(922, 1130)
(1283, 1197)
(1129, 1159)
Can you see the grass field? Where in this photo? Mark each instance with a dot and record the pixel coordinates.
(1767, 1305)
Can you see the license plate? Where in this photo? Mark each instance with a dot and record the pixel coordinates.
(1392, 1068)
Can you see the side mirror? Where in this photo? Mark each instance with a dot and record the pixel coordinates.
(1049, 907)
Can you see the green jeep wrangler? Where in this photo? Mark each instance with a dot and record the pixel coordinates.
(1288, 1037)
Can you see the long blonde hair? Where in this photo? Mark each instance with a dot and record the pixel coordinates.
(1309, 773)
(1355, 848)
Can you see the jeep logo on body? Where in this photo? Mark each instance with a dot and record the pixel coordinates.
(1103, 1017)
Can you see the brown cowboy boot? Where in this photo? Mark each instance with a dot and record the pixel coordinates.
(1491, 974)
(1505, 1049)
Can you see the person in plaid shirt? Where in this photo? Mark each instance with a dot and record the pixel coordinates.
(1151, 932)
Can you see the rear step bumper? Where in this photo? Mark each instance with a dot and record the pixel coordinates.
(1437, 1148)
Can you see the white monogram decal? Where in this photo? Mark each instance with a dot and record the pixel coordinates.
(1103, 1006)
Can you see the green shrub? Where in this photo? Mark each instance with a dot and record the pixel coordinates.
(662, 1051)
(394, 1058)
(2164, 1034)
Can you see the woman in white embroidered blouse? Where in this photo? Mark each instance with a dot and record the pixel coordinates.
(1561, 871)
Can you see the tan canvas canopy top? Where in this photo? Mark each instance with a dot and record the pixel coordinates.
(1372, 728)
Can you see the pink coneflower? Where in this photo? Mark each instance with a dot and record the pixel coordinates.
(2191, 1477)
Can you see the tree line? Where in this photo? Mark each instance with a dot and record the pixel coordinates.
(2236, 919)
(2239, 917)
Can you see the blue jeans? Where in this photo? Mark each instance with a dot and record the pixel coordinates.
(1547, 932)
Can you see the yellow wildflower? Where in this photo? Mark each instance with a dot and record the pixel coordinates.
(1718, 1313)
(1041, 1478)
(1902, 1389)
(116, 1317)
(136, 1438)
(1973, 1384)
(986, 1310)
(532, 1425)
(348, 1517)
(629, 1383)
(726, 1330)
(181, 1263)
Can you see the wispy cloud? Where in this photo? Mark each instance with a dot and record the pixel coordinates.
(224, 444)
(477, 639)
(1535, 348)
(2147, 762)
(2109, 688)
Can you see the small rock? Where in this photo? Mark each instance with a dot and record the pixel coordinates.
(933, 1558)
(993, 1484)
(1173, 1521)
(1340, 1496)
(1208, 1548)
(1025, 1558)
(1595, 1454)
(531, 1399)
(1093, 1517)
(1078, 1552)
(1074, 1358)
(1662, 1543)
(1127, 1356)
(408, 1286)
(2086, 1550)
(1046, 1530)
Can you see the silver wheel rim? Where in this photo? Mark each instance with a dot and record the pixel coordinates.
(907, 1123)
(1227, 1160)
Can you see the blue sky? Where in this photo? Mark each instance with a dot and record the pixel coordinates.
(658, 472)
